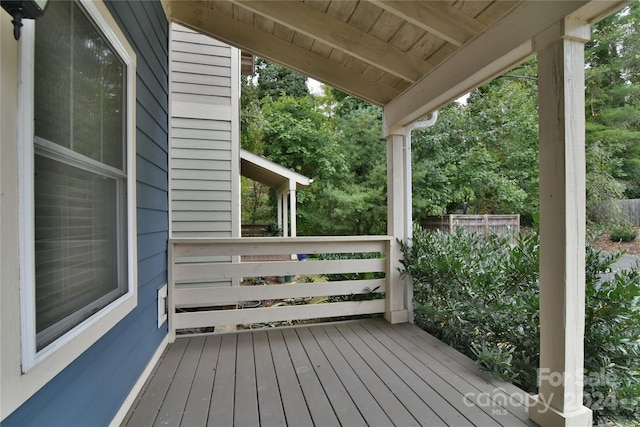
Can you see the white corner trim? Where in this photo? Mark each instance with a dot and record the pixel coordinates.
(137, 387)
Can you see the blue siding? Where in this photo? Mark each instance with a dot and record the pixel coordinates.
(90, 391)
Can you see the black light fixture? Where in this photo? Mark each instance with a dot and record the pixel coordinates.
(19, 9)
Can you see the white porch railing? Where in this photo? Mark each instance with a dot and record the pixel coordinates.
(202, 269)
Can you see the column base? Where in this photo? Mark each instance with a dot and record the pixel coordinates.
(545, 415)
(398, 316)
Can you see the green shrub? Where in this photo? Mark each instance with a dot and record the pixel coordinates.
(480, 296)
(623, 233)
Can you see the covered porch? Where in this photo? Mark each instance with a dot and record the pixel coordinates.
(410, 58)
(364, 372)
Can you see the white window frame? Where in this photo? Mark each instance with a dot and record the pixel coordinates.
(54, 357)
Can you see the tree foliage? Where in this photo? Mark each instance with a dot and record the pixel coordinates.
(482, 154)
(334, 139)
(613, 108)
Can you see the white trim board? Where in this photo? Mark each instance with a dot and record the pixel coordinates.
(137, 387)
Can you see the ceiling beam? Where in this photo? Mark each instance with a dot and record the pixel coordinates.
(338, 34)
(437, 18)
(201, 18)
(495, 51)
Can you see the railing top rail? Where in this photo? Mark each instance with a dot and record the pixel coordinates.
(276, 240)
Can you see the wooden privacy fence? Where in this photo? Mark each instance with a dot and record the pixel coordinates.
(255, 230)
(197, 266)
(503, 225)
(631, 208)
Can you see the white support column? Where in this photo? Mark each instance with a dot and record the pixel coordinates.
(395, 309)
(279, 203)
(562, 226)
(285, 215)
(292, 202)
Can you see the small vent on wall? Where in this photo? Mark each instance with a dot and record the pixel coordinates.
(162, 305)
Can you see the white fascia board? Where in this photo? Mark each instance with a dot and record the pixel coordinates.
(269, 166)
(498, 49)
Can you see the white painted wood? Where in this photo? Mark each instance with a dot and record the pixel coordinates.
(270, 173)
(496, 50)
(395, 310)
(562, 228)
(193, 280)
(10, 243)
(246, 37)
(193, 296)
(438, 18)
(126, 406)
(171, 286)
(278, 245)
(212, 112)
(235, 147)
(275, 314)
(293, 203)
(338, 34)
(204, 173)
(192, 273)
(211, 191)
(279, 203)
(285, 215)
(202, 216)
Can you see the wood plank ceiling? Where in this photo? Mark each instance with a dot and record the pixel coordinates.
(372, 49)
(379, 49)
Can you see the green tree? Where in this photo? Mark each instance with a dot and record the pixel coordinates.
(613, 107)
(358, 125)
(482, 154)
(275, 80)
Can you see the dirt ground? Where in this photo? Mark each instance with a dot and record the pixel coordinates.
(605, 244)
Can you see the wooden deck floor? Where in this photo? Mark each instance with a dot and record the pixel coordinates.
(353, 373)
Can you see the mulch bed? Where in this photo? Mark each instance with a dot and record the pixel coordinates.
(605, 244)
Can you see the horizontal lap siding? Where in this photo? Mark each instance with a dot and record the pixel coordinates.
(92, 388)
(201, 135)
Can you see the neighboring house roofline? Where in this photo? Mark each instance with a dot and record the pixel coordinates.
(269, 173)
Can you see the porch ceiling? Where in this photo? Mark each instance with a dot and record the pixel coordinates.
(409, 56)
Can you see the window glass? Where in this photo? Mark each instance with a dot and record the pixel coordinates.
(79, 86)
(79, 168)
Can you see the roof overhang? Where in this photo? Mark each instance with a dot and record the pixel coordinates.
(410, 57)
(270, 173)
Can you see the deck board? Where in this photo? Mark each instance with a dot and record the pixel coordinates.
(492, 386)
(270, 407)
(293, 401)
(347, 373)
(362, 397)
(343, 406)
(246, 401)
(390, 369)
(172, 408)
(222, 410)
(196, 411)
(317, 401)
(153, 394)
(383, 396)
(427, 368)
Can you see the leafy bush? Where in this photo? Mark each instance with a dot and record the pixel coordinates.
(334, 277)
(623, 233)
(480, 296)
